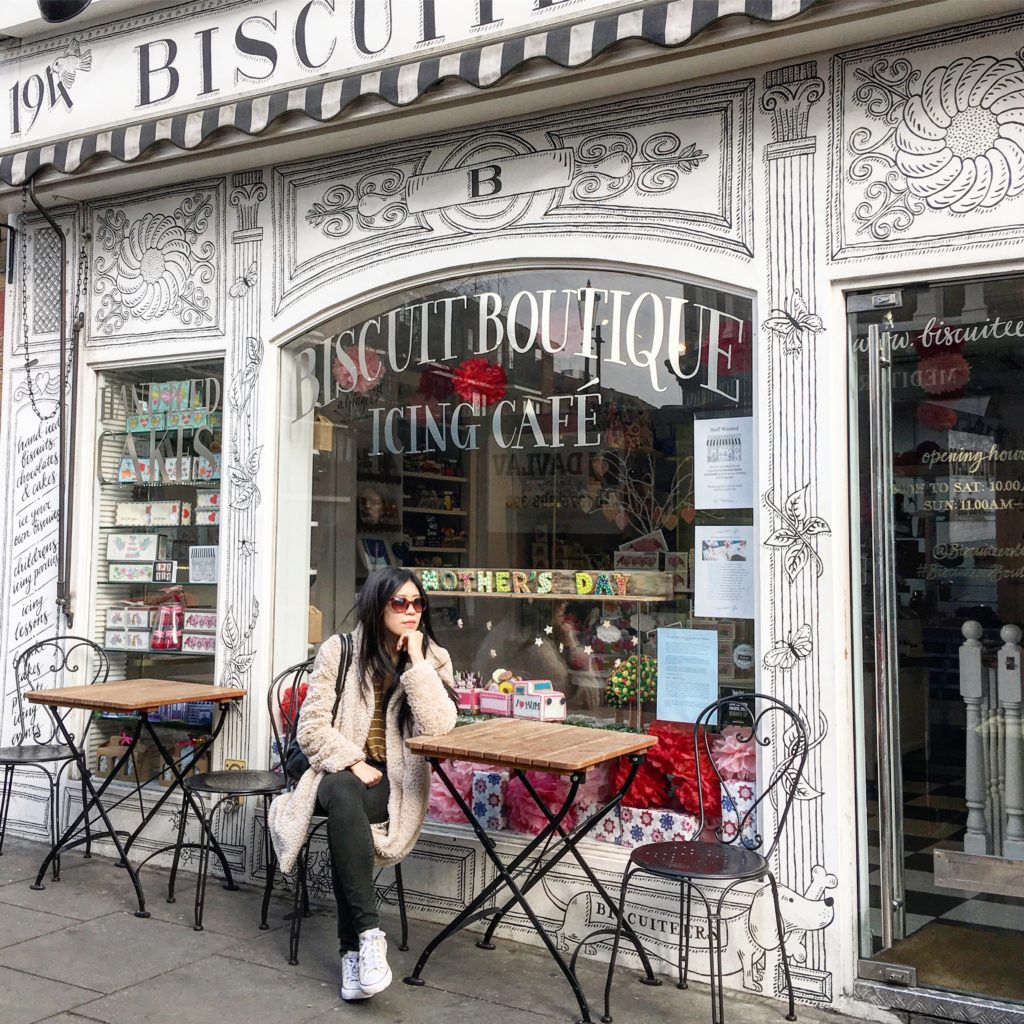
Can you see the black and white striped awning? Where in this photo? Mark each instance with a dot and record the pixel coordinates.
(669, 23)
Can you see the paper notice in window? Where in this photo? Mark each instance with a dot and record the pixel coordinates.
(723, 561)
(723, 462)
(687, 673)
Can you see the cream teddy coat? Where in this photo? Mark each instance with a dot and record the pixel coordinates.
(335, 746)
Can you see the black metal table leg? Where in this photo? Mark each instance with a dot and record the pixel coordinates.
(569, 844)
(169, 790)
(187, 795)
(505, 877)
(95, 800)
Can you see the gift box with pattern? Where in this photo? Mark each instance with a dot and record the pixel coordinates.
(607, 829)
(168, 395)
(200, 620)
(205, 469)
(144, 422)
(199, 643)
(737, 810)
(488, 798)
(186, 419)
(642, 825)
(152, 513)
(136, 547)
(130, 572)
(169, 469)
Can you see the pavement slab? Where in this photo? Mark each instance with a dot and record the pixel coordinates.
(215, 988)
(26, 998)
(110, 952)
(21, 859)
(18, 924)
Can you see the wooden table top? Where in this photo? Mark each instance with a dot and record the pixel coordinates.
(541, 746)
(128, 695)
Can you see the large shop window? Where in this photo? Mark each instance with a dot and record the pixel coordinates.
(566, 459)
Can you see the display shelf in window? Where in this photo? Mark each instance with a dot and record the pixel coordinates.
(159, 470)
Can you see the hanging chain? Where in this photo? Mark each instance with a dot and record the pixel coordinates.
(79, 301)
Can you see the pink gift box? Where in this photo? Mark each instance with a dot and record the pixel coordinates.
(641, 825)
(469, 699)
(493, 703)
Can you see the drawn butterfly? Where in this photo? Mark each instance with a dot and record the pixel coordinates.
(791, 323)
(244, 283)
(784, 654)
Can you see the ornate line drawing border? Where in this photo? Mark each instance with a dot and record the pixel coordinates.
(553, 210)
(954, 240)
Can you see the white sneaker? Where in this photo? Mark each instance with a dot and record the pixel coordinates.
(350, 989)
(374, 973)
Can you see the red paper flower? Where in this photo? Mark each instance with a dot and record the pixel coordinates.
(944, 373)
(435, 382)
(479, 381)
(935, 416)
(369, 371)
(649, 788)
(674, 757)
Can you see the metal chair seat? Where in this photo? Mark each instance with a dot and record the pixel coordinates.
(241, 783)
(36, 752)
(680, 860)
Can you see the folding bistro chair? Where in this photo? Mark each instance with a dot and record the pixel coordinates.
(222, 786)
(712, 869)
(67, 660)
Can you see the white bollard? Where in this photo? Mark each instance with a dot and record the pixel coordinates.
(972, 690)
(1009, 672)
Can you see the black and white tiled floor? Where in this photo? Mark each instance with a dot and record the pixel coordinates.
(934, 817)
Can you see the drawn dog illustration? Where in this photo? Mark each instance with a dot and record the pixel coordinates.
(756, 940)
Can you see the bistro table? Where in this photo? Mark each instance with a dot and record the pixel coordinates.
(132, 697)
(521, 746)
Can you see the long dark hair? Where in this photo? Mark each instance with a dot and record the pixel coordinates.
(374, 656)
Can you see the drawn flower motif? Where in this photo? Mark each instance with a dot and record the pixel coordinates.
(154, 265)
(960, 142)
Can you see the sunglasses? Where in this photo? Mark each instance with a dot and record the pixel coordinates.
(403, 604)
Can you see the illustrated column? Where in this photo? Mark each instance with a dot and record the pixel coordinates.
(795, 532)
(239, 605)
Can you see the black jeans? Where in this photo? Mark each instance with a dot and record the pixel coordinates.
(351, 809)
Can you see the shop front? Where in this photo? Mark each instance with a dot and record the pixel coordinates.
(609, 353)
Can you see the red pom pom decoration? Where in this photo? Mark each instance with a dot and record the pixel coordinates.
(369, 371)
(435, 382)
(480, 382)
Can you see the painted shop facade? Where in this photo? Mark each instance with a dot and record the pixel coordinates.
(677, 349)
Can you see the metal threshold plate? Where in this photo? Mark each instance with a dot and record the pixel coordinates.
(975, 872)
(889, 974)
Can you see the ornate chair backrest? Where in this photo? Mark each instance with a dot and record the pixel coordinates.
(51, 665)
(780, 735)
(283, 702)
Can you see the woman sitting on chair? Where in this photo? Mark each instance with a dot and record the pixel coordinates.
(373, 791)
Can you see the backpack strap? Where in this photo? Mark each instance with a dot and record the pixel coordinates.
(343, 666)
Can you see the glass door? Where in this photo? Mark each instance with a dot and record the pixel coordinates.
(937, 428)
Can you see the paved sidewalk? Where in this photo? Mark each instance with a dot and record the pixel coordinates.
(74, 953)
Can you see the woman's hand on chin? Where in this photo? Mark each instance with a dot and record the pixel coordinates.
(412, 643)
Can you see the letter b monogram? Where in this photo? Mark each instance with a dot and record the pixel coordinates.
(484, 181)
